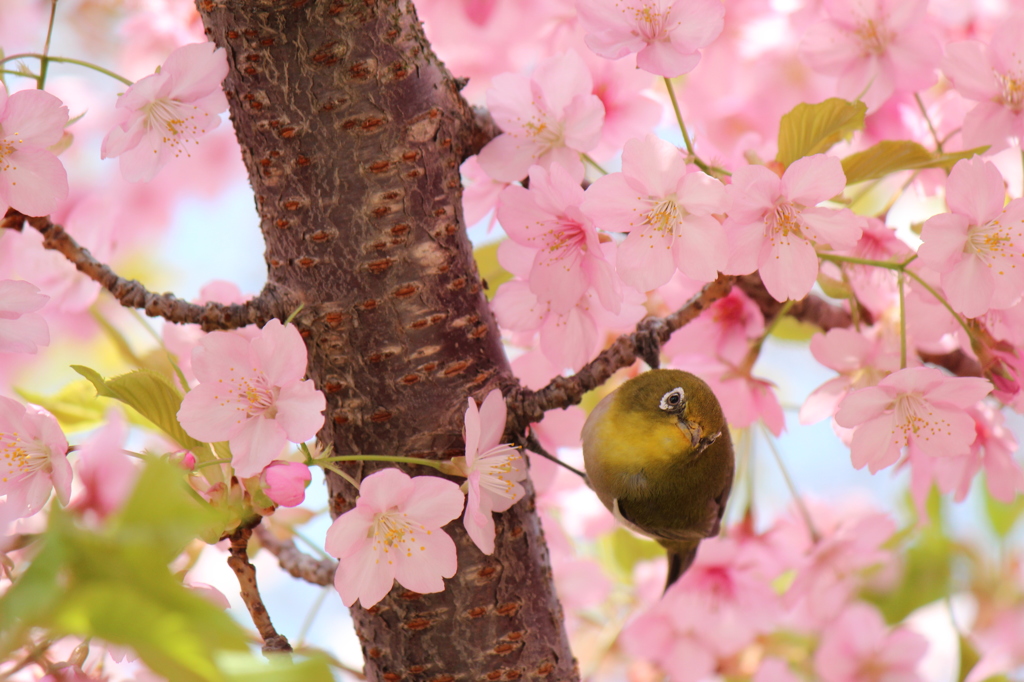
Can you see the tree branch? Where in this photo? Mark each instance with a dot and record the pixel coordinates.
(475, 136)
(132, 294)
(246, 573)
(529, 406)
(810, 309)
(295, 561)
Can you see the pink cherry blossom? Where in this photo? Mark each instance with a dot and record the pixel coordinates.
(829, 574)
(628, 111)
(568, 340)
(861, 358)
(858, 646)
(992, 450)
(665, 34)
(681, 654)
(875, 47)
(775, 227)
(106, 472)
(251, 393)
(480, 195)
(745, 398)
(492, 469)
(727, 326)
(550, 117)
(22, 330)
(667, 211)
(394, 533)
(774, 670)
(166, 112)
(979, 246)
(33, 458)
(180, 339)
(546, 218)
(919, 406)
(32, 178)
(726, 596)
(993, 76)
(285, 482)
(875, 288)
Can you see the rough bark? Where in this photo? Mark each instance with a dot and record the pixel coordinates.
(352, 132)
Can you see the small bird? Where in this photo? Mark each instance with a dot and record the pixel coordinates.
(658, 454)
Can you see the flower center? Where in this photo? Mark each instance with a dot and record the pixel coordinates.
(994, 244)
(665, 216)
(874, 39)
(7, 147)
(177, 125)
(783, 222)
(915, 417)
(495, 466)
(392, 530)
(20, 458)
(650, 21)
(1012, 90)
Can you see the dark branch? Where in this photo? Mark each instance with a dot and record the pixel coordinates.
(957, 362)
(651, 333)
(246, 573)
(132, 294)
(296, 562)
(810, 309)
(476, 136)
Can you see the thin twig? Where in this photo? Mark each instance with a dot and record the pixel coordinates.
(645, 342)
(132, 294)
(296, 562)
(246, 573)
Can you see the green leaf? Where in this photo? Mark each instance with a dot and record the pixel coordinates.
(969, 657)
(76, 406)
(620, 551)
(151, 394)
(813, 128)
(114, 583)
(490, 269)
(1001, 515)
(890, 156)
(278, 668)
(168, 626)
(791, 329)
(834, 288)
(163, 515)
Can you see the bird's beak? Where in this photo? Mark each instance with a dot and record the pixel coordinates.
(695, 433)
(691, 429)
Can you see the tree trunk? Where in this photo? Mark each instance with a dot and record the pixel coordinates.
(352, 132)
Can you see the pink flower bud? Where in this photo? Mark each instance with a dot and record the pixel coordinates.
(285, 482)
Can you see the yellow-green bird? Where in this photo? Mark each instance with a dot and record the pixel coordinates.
(659, 456)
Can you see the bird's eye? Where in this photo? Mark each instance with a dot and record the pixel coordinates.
(672, 400)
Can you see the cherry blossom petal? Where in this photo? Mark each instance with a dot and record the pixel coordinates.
(280, 352)
(430, 559)
(813, 179)
(788, 270)
(975, 189)
(34, 116)
(362, 576)
(258, 443)
(969, 286)
(33, 181)
(701, 248)
(434, 501)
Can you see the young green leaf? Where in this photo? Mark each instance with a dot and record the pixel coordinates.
(813, 128)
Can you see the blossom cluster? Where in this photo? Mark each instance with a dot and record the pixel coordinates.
(923, 348)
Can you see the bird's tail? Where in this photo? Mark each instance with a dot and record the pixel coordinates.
(680, 556)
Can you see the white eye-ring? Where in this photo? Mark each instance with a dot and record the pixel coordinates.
(672, 400)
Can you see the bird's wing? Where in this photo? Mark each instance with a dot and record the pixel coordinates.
(709, 529)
